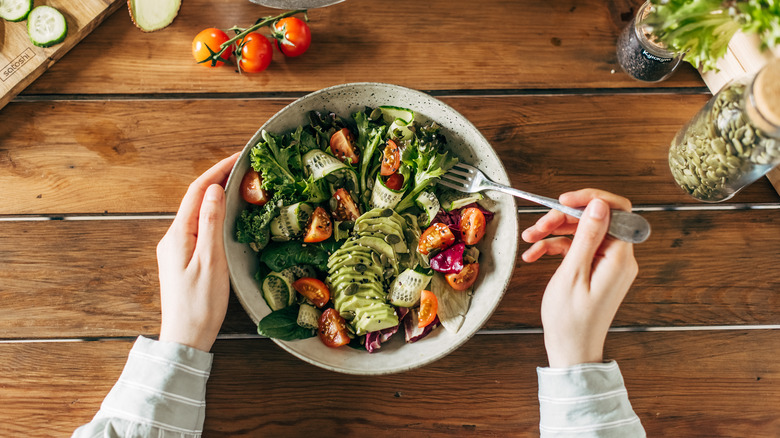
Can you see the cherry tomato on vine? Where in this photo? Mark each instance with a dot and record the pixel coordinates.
(251, 188)
(465, 278)
(210, 38)
(332, 329)
(254, 53)
(293, 36)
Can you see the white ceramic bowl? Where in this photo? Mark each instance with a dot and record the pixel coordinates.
(498, 249)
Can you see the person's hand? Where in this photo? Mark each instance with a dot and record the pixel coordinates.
(194, 283)
(585, 292)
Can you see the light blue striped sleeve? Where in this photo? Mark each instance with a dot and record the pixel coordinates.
(587, 400)
(161, 393)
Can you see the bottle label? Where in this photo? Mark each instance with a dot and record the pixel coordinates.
(652, 57)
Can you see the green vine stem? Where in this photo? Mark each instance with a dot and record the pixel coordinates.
(241, 32)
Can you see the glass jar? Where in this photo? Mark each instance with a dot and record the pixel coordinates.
(733, 140)
(639, 56)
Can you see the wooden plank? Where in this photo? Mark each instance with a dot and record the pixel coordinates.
(22, 62)
(503, 44)
(99, 278)
(706, 383)
(135, 157)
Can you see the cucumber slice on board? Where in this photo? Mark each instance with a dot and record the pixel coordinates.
(15, 10)
(46, 26)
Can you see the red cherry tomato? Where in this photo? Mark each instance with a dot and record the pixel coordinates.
(313, 289)
(465, 278)
(293, 36)
(342, 145)
(319, 227)
(210, 38)
(395, 181)
(251, 188)
(255, 53)
(391, 159)
(332, 329)
(346, 210)
(429, 305)
(437, 236)
(472, 225)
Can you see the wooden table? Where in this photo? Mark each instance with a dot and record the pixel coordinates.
(96, 154)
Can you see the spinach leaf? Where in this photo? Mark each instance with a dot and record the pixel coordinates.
(283, 324)
(279, 256)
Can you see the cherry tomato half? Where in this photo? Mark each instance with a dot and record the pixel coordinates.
(429, 305)
(342, 144)
(293, 36)
(395, 181)
(391, 159)
(472, 225)
(319, 226)
(437, 236)
(465, 278)
(251, 188)
(255, 53)
(332, 329)
(347, 209)
(313, 289)
(210, 38)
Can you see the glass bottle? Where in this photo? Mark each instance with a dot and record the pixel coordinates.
(641, 57)
(733, 140)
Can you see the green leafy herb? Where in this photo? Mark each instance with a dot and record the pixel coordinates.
(702, 29)
(283, 324)
(428, 160)
(370, 135)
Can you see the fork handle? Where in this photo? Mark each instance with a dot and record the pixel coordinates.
(623, 225)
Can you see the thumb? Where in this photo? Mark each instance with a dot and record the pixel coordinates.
(212, 216)
(590, 233)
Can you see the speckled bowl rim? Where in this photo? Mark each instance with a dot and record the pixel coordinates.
(472, 147)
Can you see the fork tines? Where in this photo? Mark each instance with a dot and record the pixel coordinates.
(459, 177)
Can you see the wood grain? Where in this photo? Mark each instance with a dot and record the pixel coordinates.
(486, 388)
(505, 44)
(22, 62)
(99, 278)
(139, 156)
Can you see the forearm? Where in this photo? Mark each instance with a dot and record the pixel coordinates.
(161, 392)
(587, 400)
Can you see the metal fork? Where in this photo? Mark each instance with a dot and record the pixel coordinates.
(623, 225)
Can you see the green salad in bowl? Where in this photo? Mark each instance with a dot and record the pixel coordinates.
(340, 244)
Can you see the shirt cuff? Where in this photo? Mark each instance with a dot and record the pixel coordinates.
(586, 400)
(163, 385)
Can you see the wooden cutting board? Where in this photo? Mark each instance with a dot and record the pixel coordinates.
(21, 62)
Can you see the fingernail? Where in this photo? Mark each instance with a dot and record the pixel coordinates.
(598, 209)
(213, 193)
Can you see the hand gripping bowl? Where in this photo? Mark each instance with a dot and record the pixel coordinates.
(498, 249)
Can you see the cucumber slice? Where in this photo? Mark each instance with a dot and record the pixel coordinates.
(277, 290)
(430, 206)
(290, 222)
(46, 26)
(15, 10)
(399, 119)
(308, 316)
(319, 164)
(452, 200)
(407, 288)
(383, 197)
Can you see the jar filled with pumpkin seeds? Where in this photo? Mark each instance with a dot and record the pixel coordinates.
(733, 140)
